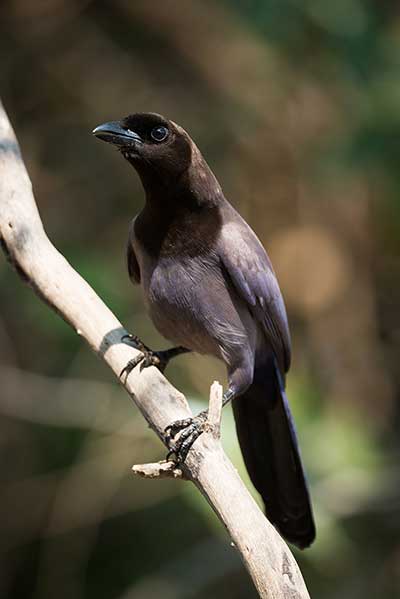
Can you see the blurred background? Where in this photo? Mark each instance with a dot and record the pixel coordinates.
(296, 107)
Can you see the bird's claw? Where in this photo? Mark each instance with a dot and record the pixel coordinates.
(135, 341)
(147, 357)
(190, 429)
(127, 369)
(159, 359)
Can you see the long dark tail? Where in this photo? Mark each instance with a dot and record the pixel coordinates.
(268, 441)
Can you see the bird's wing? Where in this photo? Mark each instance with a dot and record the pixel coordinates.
(250, 271)
(133, 265)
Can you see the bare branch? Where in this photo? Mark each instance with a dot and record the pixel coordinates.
(215, 410)
(266, 556)
(158, 470)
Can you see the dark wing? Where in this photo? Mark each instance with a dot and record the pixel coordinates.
(250, 270)
(133, 265)
(266, 431)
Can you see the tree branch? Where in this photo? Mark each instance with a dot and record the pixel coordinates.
(24, 241)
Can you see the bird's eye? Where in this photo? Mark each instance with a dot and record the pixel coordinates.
(159, 133)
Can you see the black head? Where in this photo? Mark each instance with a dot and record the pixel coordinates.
(157, 148)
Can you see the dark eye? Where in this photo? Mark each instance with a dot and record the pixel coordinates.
(159, 133)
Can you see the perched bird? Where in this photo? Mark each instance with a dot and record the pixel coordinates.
(209, 287)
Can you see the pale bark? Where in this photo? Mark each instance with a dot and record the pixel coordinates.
(270, 563)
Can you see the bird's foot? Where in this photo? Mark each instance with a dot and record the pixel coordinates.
(148, 356)
(190, 429)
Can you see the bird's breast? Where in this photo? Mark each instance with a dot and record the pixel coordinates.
(178, 301)
(191, 303)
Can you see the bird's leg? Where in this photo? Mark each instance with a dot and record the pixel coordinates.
(190, 429)
(228, 396)
(148, 356)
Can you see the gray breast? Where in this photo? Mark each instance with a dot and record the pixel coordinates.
(189, 303)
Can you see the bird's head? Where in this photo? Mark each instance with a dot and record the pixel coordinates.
(159, 149)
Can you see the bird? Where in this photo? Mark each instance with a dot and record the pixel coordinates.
(209, 287)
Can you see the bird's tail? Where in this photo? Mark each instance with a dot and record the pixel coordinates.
(268, 441)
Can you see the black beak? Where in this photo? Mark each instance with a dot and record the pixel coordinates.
(114, 133)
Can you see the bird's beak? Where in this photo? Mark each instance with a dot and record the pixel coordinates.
(114, 133)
